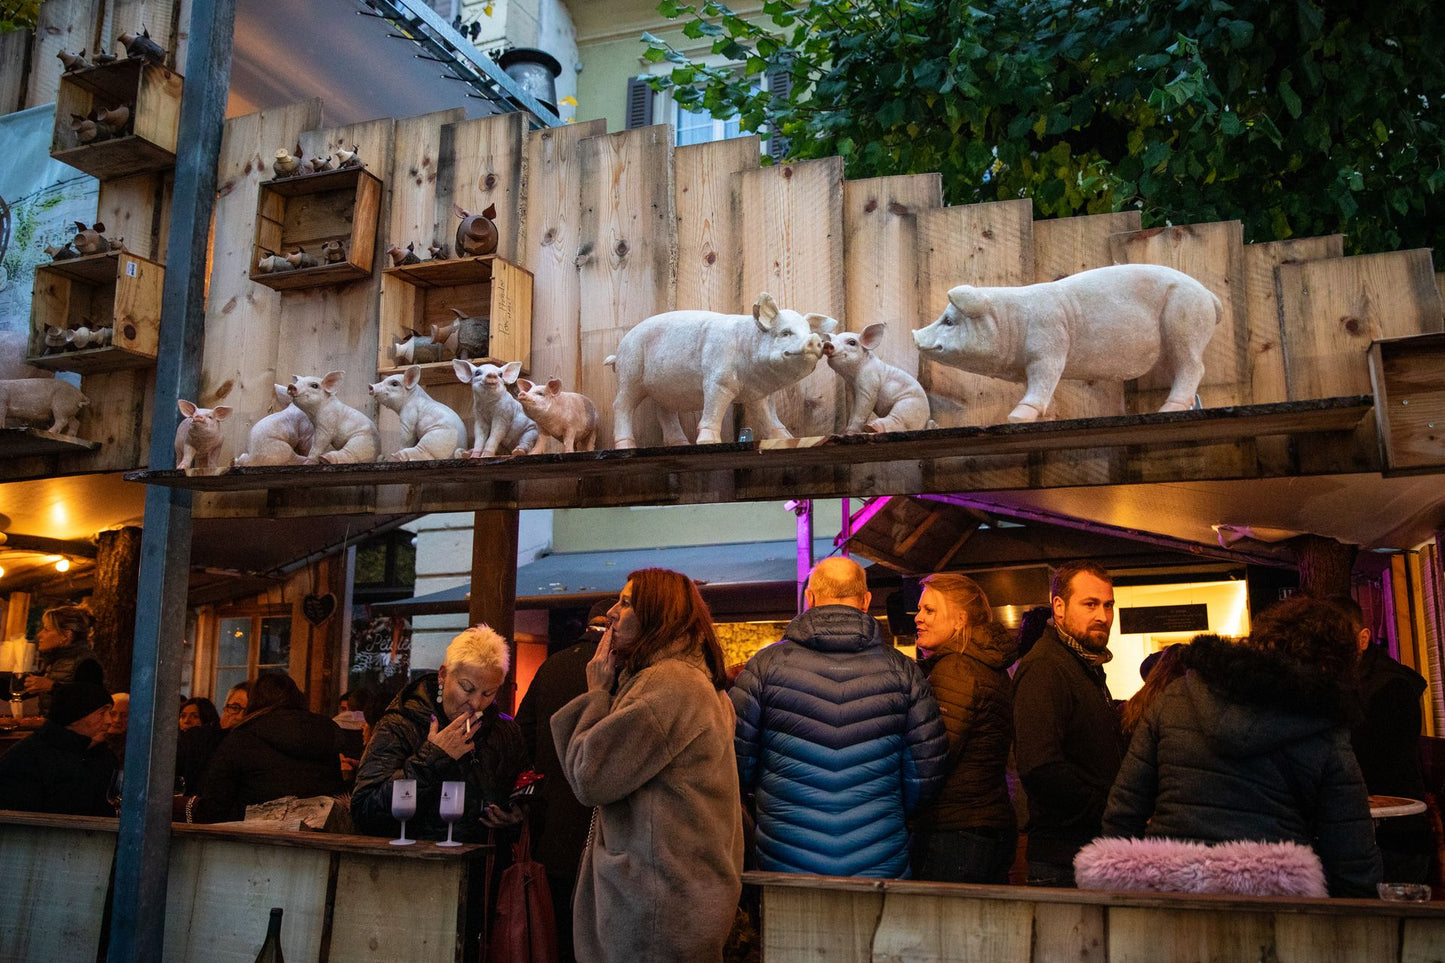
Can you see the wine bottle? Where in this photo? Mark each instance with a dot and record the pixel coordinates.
(271, 949)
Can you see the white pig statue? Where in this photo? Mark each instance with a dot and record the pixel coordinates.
(878, 387)
(498, 422)
(429, 428)
(1113, 323)
(340, 433)
(281, 438)
(42, 400)
(702, 360)
(565, 415)
(198, 436)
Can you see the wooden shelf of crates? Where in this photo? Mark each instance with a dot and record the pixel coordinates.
(153, 94)
(1410, 407)
(114, 289)
(309, 210)
(32, 442)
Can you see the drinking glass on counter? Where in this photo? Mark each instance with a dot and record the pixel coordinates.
(454, 794)
(403, 807)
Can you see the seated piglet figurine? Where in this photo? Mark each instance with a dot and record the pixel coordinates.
(429, 428)
(878, 388)
(498, 421)
(198, 436)
(565, 415)
(281, 438)
(340, 433)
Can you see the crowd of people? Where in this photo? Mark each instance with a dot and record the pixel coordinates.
(662, 773)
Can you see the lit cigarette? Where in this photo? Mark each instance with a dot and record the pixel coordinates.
(469, 724)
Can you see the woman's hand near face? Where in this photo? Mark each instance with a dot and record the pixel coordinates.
(455, 740)
(496, 817)
(601, 673)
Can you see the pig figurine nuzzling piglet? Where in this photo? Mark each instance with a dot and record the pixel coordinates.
(281, 438)
(878, 387)
(702, 360)
(1112, 323)
(429, 428)
(565, 415)
(339, 433)
(198, 436)
(498, 422)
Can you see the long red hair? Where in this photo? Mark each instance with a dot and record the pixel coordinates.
(669, 607)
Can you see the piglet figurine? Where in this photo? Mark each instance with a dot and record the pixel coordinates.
(281, 438)
(62, 253)
(143, 47)
(498, 421)
(40, 400)
(400, 257)
(569, 417)
(73, 61)
(299, 258)
(272, 264)
(90, 240)
(877, 386)
(56, 339)
(477, 233)
(198, 436)
(417, 349)
(333, 252)
(429, 428)
(340, 433)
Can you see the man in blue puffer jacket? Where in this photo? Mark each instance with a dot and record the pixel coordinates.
(839, 738)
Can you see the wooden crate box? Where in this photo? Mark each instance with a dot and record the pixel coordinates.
(148, 142)
(309, 210)
(416, 296)
(116, 289)
(1410, 402)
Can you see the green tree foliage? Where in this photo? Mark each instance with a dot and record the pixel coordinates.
(18, 15)
(1297, 117)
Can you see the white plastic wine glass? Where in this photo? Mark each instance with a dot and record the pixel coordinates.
(403, 807)
(454, 795)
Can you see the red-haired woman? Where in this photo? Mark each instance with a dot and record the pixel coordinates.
(650, 744)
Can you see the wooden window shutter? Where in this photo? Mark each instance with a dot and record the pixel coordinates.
(639, 103)
(779, 82)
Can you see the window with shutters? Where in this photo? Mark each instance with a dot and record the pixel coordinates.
(646, 106)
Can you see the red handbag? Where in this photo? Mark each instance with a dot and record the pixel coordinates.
(525, 929)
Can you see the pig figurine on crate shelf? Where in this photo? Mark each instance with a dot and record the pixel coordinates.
(73, 61)
(691, 360)
(340, 433)
(429, 429)
(893, 395)
(88, 130)
(281, 438)
(142, 47)
(333, 252)
(467, 336)
(286, 163)
(64, 252)
(477, 233)
(57, 340)
(87, 337)
(273, 264)
(400, 257)
(498, 421)
(1112, 323)
(198, 436)
(346, 159)
(42, 400)
(300, 258)
(92, 240)
(569, 417)
(416, 349)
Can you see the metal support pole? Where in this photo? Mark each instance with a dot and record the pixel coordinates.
(143, 847)
(803, 508)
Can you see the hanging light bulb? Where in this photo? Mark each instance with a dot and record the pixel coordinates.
(2, 571)
(62, 564)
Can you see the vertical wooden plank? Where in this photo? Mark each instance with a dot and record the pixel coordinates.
(551, 178)
(15, 48)
(1332, 309)
(421, 921)
(790, 221)
(129, 207)
(626, 254)
(55, 891)
(709, 263)
(1138, 935)
(182, 32)
(1064, 931)
(412, 182)
(1424, 941)
(819, 925)
(941, 929)
(481, 165)
(1301, 938)
(69, 25)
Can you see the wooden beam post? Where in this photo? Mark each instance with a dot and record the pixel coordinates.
(1324, 565)
(494, 584)
(117, 571)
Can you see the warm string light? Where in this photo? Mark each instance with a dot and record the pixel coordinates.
(62, 564)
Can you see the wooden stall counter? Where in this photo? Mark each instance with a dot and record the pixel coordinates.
(345, 897)
(839, 920)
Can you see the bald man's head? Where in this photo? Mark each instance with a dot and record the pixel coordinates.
(838, 581)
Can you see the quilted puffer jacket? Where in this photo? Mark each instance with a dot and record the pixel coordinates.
(839, 740)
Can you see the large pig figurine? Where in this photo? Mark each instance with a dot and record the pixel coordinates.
(702, 360)
(429, 428)
(565, 415)
(340, 433)
(1113, 323)
(498, 422)
(281, 438)
(41, 400)
(891, 393)
(198, 436)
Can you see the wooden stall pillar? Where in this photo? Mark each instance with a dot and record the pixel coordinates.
(117, 571)
(494, 583)
(1324, 565)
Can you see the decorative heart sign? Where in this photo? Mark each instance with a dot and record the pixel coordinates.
(318, 608)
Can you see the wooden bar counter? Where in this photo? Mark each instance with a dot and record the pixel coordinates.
(345, 897)
(854, 920)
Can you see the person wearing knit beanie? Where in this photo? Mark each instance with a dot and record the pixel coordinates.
(65, 766)
(72, 703)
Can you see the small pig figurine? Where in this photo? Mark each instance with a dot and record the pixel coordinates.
(281, 438)
(473, 335)
(340, 433)
(429, 428)
(273, 263)
(446, 336)
(300, 259)
(86, 337)
(88, 130)
(116, 118)
(286, 163)
(417, 349)
(198, 436)
(41, 400)
(477, 233)
(1112, 323)
(318, 165)
(690, 360)
(498, 421)
(333, 252)
(73, 61)
(56, 339)
(438, 252)
(90, 240)
(878, 387)
(400, 257)
(565, 415)
(62, 253)
(143, 47)
(348, 158)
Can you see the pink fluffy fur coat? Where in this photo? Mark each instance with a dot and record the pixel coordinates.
(1161, 865)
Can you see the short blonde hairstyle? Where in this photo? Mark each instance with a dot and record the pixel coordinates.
(479, 646)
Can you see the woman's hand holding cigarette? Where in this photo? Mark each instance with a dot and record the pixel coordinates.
(601, 673)
(456, 739)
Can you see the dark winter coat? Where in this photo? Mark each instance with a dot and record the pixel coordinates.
(839, 741)
(399, 750)
(71, 663)
(1386, 739)
(1250, 745)
(976, 700)
(55, 770)
(1067, 745)
(280, 752)
(194, 749)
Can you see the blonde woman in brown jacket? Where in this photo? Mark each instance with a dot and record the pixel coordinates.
(650, 745)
